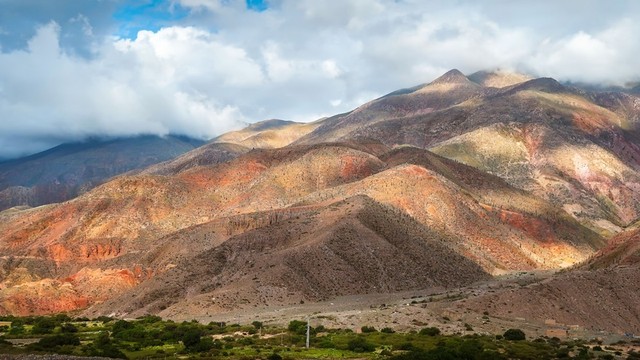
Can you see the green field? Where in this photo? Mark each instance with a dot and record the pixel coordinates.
(152, 337)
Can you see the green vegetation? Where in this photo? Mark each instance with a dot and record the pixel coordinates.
(514, 335)
(151, 337)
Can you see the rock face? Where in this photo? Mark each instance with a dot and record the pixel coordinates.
(68, 170)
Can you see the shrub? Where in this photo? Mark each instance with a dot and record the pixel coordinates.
(368, 329)
(326, 344)
(274, 356)
(103, 319)
(514, 335)
(430, 331)
(387, 330)
(102, 346)
(406, 346)
(43, 325)
(51, 342)
(60, 318)
(68, 328)
(360, 345)
(149, 319)
(204, 345)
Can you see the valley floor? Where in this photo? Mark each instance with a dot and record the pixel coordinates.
(414, 310)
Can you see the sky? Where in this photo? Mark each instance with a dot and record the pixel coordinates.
(73, 69)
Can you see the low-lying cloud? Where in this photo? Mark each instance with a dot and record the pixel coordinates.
(225, 65)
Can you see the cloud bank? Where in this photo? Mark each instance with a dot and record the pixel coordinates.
(224, 63)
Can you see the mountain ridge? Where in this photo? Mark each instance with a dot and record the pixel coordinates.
(67, 170)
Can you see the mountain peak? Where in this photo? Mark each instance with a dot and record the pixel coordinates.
(499, 78)
(453, 76)
(544, 84)
(268, 124)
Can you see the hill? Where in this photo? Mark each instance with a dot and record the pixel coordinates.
(354, 246)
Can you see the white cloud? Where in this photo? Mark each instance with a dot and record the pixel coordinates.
(599, 57)
(171, 81)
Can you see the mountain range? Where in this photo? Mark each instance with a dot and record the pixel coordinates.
(70, 169)
(440, 186)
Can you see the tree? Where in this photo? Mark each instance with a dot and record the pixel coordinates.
(120, 326)
(514, 335)
(17, 327)
(191, 338)
(43, 325)
(297, 327)
(257, 324)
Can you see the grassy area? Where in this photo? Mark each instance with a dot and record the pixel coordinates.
(152, 337)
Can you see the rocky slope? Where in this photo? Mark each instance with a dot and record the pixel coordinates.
(575, 148)
(602, 293)
(68, 170)
(354, 246)
(138, 226)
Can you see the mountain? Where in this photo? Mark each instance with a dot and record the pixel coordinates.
(460, 182)
(63, 172)
(268, 134)
(139, 231)
(574, 148)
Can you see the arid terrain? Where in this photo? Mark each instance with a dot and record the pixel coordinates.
(491, 200)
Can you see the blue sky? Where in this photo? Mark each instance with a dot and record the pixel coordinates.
(134, 16)
(70, 69)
